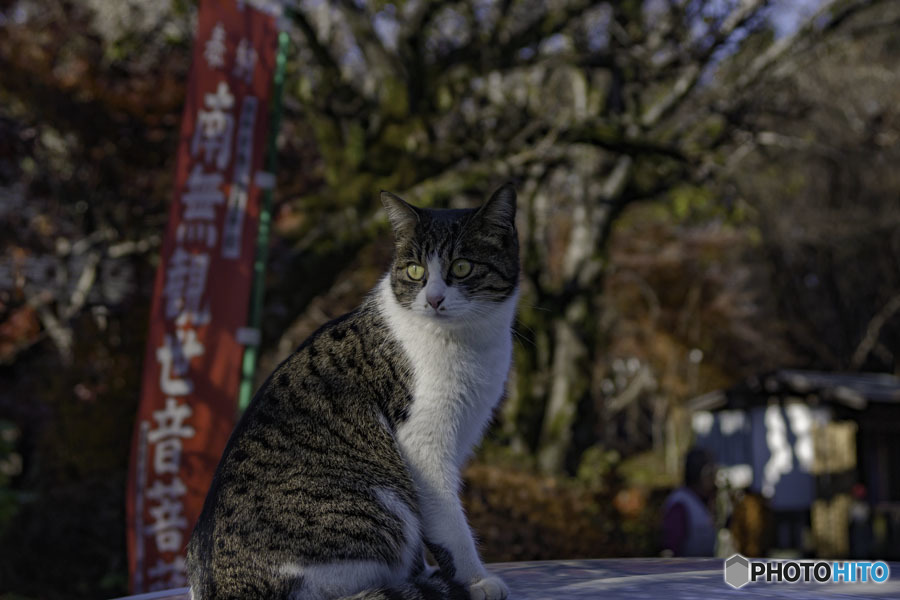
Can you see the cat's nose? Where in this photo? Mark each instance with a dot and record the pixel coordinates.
(434, 300)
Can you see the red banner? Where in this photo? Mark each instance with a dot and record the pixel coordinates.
(192, 366)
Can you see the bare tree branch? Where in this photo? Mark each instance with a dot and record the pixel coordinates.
(870, 339)
(691, 75)
(384, 64)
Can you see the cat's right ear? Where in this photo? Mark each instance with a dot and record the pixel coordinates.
(500, 209)
(403, 216)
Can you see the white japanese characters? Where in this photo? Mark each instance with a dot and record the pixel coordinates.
(243, 163)
(174, 358)
(214, 49)
(185, 286)
(215, 124)
(244, 61)
(168, 524)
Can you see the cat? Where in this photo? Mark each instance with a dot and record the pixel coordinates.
(346, 465)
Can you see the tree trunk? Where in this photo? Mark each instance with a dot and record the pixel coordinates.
(569, 385)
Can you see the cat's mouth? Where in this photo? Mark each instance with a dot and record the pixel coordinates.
(440, 315)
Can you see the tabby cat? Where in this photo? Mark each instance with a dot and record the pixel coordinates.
(346, 465)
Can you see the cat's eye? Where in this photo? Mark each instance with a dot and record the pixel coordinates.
(461, 268)
(415, 272)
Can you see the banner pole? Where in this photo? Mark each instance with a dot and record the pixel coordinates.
(251, 350)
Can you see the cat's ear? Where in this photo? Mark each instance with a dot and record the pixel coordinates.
(403, 216)
(500, 209)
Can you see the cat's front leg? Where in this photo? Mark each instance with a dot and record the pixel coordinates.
(450, 541)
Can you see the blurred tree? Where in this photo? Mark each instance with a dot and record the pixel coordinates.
(90, 96)
(823, 131)
(591, 106)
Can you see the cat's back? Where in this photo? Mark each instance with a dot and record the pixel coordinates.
(349, 361)
(312, 462)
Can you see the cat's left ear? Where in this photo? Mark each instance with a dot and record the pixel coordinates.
(403, 216)
(500, 209)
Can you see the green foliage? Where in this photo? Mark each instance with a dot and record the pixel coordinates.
(597, 465)
(648, 470)
(690, 201)
(394, 99)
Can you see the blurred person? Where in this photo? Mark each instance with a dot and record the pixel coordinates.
(862, 538)
(688, 526)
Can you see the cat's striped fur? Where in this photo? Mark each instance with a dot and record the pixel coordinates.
(345, 467)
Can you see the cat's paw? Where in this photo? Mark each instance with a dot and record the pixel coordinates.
(489, 588)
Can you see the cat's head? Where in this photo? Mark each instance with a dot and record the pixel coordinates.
(456, 266)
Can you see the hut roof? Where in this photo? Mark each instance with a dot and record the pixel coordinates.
(851, 390)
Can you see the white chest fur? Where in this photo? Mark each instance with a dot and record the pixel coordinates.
(458, 375)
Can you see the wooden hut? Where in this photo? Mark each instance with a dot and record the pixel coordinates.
(823, 449)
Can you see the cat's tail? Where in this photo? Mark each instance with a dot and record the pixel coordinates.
(433, 587)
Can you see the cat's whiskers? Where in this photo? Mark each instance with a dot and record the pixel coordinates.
(520, 338)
